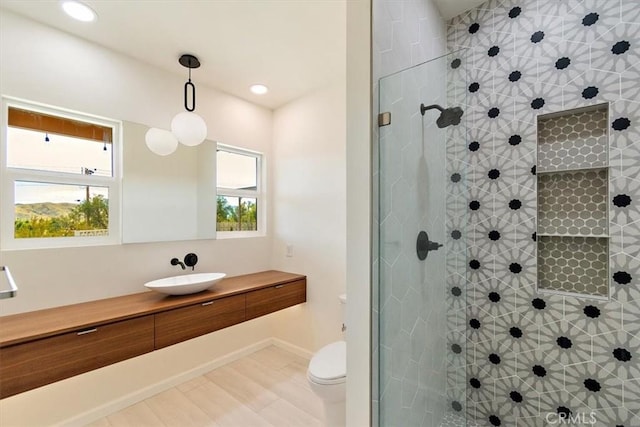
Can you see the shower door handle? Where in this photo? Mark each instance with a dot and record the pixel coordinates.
(424, 245)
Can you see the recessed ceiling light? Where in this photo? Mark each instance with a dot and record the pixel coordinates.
(79, 11)
(259, 89)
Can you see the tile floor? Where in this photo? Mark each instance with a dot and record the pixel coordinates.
(266, 388)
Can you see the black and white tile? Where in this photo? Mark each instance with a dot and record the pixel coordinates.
(575, 355)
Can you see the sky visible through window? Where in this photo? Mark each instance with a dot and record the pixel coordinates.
(236, 171)
(27, 149)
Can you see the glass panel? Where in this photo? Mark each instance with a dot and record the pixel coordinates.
(35, 150)
(237, 214)
(60, 210)
(422, 246)
(237, 171)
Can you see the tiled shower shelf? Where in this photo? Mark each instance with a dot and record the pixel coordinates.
(575, 139)
(573, 221)
(573, 203)
(575, 265)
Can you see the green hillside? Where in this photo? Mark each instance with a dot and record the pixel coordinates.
(43, 210)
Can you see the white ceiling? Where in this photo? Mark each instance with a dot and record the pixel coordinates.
(292, 46)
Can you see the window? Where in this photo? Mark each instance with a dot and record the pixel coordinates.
(60, 178)
(240, 204)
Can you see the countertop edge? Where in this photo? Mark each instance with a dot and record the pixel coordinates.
(63, 319)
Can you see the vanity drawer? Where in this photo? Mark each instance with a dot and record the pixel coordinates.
(184, 323)
(36, 363)
(274, 298)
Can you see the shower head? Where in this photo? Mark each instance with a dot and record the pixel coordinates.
(448, 116)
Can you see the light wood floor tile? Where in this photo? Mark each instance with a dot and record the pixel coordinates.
(191, 384)
(268, 388)
(277, 382)
(297, 373)
(223, 408)
(102, 422)
(283, 414)
(275, 357)
(257, 372)
(242, 387)
(174, 409)
(139, 414)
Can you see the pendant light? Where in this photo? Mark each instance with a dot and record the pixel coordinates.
(160, 141)
(187, 127)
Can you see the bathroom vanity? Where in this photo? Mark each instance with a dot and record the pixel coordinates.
(44, 346)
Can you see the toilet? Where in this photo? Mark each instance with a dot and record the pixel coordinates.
(327, 376)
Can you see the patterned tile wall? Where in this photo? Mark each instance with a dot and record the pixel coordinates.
(534, 357)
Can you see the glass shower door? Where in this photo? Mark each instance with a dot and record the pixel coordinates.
(421, 252)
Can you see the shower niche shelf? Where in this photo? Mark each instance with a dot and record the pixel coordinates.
(572, 189)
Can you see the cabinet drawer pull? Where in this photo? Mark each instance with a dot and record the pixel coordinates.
(207, 303)
(87, 331)
(279, 286)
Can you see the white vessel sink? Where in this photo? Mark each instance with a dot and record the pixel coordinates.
(185, 284)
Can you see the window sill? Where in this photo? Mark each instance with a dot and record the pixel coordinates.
(223, 235)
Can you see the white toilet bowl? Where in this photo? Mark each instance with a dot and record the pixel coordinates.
(327, 375)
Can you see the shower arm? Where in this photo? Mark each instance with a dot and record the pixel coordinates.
(423, 109)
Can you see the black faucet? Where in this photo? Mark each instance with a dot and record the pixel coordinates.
(176, 261)
(190, 260)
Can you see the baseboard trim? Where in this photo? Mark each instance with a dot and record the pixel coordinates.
(302, 352)
(145, 393)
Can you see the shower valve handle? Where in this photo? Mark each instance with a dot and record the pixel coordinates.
(424, 245)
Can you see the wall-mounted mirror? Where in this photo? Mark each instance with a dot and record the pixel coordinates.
(167, 198)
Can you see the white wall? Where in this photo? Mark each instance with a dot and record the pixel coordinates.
(359, 212)
(308, 175)
(44, 65)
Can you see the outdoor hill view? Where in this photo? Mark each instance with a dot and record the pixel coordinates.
(47, 210)
(61, 219)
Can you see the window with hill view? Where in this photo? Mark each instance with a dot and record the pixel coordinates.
(59, 176)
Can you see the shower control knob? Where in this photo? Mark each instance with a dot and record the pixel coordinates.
(424, 245)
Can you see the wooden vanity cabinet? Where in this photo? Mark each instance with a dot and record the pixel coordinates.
(184, 323)
(274, 298)
(37, 363)
(44, 346)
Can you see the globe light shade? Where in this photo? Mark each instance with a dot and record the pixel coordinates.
(160, 141)
(189, 128)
